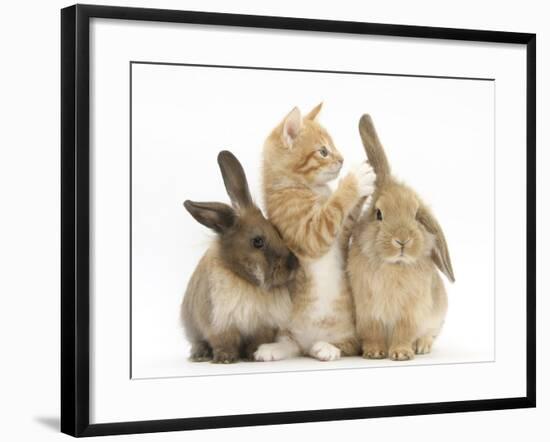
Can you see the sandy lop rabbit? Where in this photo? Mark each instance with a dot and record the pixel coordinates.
(397, 247)
(237, 297)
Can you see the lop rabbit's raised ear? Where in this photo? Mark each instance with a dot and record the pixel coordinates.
(216, 216)
(373, 148)
(440, 253)
(234, 180)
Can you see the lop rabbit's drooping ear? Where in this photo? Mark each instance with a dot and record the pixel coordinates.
(440, 253)
(216, 216)
(234, 180)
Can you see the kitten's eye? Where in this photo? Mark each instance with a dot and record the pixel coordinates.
(378, 215)
(258, 242)
(323, 151)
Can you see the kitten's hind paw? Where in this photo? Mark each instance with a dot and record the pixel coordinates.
(324, 351)
(270, 352)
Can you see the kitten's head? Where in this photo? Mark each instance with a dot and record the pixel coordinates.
(301, 148)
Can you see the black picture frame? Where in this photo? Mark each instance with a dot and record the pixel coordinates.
(75, 211)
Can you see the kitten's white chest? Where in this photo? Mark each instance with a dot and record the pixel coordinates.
(320, 320)
(326, 275)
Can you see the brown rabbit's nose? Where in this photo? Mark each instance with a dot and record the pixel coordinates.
(291, 261)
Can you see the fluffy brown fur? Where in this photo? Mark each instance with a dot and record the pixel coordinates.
(237, 297)
(396, 248)
(300, 158)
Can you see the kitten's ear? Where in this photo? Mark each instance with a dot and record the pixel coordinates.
(291, 127)
(314, 112)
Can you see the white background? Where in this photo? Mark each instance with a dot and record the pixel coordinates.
(439, 136)
(30, 238)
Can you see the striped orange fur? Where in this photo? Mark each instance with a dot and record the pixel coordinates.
(298, 199)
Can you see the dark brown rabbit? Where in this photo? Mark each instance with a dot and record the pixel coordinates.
(237, 297)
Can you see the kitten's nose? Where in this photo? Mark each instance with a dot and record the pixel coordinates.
(291, 261)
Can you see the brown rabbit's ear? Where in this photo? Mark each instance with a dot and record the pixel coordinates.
(292, 125)
(314, 113)
(234, 180)
(216, 216)
(373, 148)
(440, 253)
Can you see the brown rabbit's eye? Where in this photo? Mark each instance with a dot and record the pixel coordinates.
(258, 242)
(323, 151)
(378, 215)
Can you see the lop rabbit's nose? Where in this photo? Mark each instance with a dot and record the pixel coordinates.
(291, 261)
(400, 243)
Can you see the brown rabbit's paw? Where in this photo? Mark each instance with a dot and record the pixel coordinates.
(401, 353)
(423, 345)
(374, 352)
(348, 348)
(225, 356)
(200, 352)
(250, 352)
(249, 355)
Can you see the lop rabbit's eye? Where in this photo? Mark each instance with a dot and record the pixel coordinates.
(378, 215)
(323, 151)
(258, 242)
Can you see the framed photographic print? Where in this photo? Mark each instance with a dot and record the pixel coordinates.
(274, 220)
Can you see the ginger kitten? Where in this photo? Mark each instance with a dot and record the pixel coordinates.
(299, 160)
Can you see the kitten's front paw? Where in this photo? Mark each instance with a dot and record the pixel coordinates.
(401, 353)
(269, 352)
(325, 351)
(365, 178)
